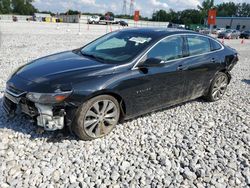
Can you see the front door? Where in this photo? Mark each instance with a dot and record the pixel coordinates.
(160, 83)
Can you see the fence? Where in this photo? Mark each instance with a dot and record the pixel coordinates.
(130, 22)
(8, 17)
(84, 19)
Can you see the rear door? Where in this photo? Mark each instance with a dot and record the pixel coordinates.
(200, 65)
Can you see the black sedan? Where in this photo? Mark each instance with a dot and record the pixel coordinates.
(123, 23)
(245, 34)
(119, 76)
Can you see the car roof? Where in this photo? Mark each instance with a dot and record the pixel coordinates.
(159, 32)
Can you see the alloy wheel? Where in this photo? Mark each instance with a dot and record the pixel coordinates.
(100, 118)
(219, 87)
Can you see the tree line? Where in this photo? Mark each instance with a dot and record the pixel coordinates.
(197, 16)
(22, 7)
(187, 17)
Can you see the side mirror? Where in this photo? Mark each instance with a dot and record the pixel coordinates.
(151, 62)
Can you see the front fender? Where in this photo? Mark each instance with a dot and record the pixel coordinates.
(90, 88)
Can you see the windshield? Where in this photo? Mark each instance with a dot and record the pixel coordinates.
(117, 47)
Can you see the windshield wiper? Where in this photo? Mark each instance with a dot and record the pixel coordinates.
(93, 56)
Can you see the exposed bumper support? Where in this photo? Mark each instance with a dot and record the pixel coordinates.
(47, 119)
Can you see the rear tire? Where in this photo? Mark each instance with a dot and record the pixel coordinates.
(218, 87)
(96, 117)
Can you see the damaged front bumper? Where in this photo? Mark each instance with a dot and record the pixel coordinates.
(47, 119)
(50, 117)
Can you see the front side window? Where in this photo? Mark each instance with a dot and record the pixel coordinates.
(168, 49)
(198, 44)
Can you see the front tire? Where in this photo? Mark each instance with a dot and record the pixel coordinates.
(218, 87)
(96, 117)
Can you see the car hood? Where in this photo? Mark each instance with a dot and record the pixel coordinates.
(62, 66)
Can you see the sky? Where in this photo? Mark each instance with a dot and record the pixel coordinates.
(146, 7)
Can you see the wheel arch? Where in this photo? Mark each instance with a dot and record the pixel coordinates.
(222, 70)
(227, 73)
(118, 97)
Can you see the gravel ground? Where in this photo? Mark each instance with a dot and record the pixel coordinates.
(196, 144)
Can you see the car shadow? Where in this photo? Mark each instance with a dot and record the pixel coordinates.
(200, 99)
(246, 81)
(22, 124)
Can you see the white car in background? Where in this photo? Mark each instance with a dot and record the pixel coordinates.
(94, 19)
(219, 30)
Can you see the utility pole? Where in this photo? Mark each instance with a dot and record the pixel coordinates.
(124, 7)
(132, 7)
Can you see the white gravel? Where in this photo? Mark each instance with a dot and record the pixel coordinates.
(196, 144)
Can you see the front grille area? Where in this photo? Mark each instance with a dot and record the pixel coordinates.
(14, 90)
(28, 107)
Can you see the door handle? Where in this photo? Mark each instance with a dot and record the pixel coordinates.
(180, 67)
(213, 60)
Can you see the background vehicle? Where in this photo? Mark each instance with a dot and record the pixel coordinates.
(122, 23)
(107, 19)
(245, 34)
(30, 18)
(229, 34)
(238, 33)
(204, 31)
(219, 30)
(94, 19)
(14, 18)
(101, 19)
(119, 76)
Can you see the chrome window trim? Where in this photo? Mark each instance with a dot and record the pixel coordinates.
(181, 34)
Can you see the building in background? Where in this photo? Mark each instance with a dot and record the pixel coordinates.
(42, 17)
(239, 23)
(69, 18)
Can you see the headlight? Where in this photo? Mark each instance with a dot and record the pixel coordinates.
(48, 98)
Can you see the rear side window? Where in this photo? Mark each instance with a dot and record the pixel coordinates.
(215, 45)
(198, 45)
(168, 49)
